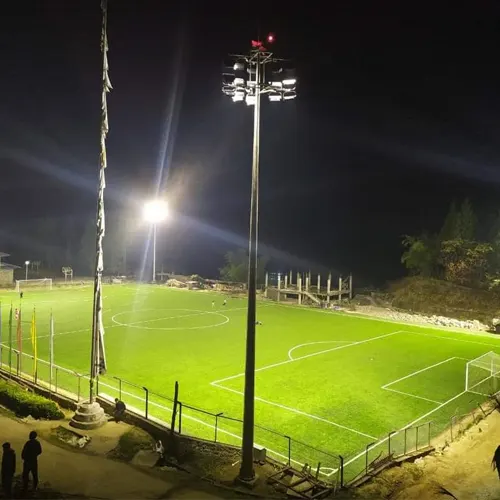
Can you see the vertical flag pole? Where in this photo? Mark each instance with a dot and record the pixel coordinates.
(98, 358)
(10, 339)
(90, 415)
(1, 357)
(19, 333)
(51, 349)
(34, 345)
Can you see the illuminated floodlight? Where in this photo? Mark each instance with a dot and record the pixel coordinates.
(289, 81)
(155, 211)
(250, 100)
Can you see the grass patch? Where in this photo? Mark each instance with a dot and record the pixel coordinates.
(23, 402)
(130, 443)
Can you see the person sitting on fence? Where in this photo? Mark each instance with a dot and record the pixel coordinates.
(495, 463)
(119, 412)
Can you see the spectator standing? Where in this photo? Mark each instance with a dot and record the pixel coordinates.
(31, 451)
(8, 469)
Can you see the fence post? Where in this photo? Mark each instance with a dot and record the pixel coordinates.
(341, 467)
(147, 402)
(416, 438)
(289, 450)
(79, 385)
(55, 384)
(174, 409)
(404, 447)
(366, 456)
(389, 436)
(120, 388)
(217, 415)
(180, 417)
(429, 434)
(18, 361)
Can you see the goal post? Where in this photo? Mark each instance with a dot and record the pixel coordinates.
(42, 284)
(482, 375)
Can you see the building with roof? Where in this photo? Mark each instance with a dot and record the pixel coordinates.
(6, 271)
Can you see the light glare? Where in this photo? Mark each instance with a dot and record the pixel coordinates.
(155, 211)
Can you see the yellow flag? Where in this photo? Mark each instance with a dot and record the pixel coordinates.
(34, 342)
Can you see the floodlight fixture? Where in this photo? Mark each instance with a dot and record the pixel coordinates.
(155, 211)
(27, 263)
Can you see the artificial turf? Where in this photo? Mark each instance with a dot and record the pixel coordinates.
(320, 374)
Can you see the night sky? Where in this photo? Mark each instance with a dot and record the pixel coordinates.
(398, 113)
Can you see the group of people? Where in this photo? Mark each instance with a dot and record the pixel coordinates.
(31, 451)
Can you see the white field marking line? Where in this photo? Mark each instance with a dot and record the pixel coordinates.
(413, 395)
(298, 412)
(267, 367)
(194, 419)
(443, 337)
(417, 372)
(199, 312)
(382, 441)
(170, 328)
(319, 342)
(359, 455)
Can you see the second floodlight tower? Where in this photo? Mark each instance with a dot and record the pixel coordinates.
(155, 211)
(251, 75)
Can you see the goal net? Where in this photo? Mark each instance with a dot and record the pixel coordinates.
(482, 375)
(43, 284)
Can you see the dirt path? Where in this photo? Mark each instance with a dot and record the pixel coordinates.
(462, 471)
(77, 473)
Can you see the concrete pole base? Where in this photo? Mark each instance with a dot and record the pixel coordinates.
(88, 416)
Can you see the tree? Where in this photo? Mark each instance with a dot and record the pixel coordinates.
(466, 262)
(449, 231)
(421, 255)
(236, 267)
(466, 223)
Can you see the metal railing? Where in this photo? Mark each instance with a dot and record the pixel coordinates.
(218, 427)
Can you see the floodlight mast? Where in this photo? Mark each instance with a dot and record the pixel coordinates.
(154, 212)
(247, 82)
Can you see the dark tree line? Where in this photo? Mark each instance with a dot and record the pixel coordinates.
(457, 253)
(54, 242)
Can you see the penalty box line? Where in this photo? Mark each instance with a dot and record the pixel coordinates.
(218, 383)
(412, 374)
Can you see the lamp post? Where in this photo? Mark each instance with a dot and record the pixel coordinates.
(252, 75)
(27, 263)
(155, 211)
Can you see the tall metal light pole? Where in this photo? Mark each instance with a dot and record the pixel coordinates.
(155, 211)
(246, 82)
(27, 263)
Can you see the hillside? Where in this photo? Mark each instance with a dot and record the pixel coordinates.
(435, 297)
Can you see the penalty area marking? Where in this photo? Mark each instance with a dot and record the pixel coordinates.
(314, 343)
(195, 312)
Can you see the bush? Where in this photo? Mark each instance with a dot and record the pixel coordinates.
(24, 403)
(130, 443)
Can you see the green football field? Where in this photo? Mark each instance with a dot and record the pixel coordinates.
(329, 381)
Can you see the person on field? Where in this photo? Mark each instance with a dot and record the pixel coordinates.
(495, 462)
(119, 412)
(8, 469)
(225, 302)
(31, 451)
(213, 304)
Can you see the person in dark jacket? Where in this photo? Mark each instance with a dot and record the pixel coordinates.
(31, 451)
(119, 412)
(8, 468)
